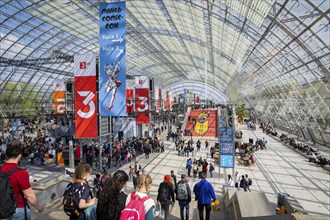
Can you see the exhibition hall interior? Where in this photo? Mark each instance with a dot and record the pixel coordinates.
(230, 93)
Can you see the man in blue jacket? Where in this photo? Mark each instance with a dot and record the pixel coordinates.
(204, 193)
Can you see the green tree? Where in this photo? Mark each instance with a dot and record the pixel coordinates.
(241, 112)
(26, 100)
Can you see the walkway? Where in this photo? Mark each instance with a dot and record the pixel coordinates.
(278, 169)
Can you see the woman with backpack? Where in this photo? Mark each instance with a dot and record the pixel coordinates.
(140, 200)
(78, 196)
(112, 199)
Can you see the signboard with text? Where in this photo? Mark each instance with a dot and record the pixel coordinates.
(226, 139)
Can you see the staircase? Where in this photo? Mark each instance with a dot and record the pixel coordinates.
(198, 127)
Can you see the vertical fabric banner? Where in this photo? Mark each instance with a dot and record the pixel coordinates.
(184, 98)
(59, 97)
(85, 106)
(174, 99)
(160, 98)
(142, 105)
(142, 82)
(129, 101)
(112, 77)
(167, 101)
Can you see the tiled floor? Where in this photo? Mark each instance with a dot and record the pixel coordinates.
(278, 169)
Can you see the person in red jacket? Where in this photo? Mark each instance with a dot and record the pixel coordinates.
(20, 182)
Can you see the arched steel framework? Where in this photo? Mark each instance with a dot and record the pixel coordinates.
(271, 54)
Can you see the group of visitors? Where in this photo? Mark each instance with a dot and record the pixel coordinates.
(113, 203)
(240, 181)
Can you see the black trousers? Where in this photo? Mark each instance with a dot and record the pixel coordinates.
(201, 211)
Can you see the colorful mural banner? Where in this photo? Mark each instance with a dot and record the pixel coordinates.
(59, 97)
(85, 96)
(112, 77)
(142, 105)
(129, 100)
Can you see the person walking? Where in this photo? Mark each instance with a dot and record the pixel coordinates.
(243, 183)
(173, 176)
(211, 170)
(248, 182)
(143, 187)
(112, 199)
(83, 190)
(183, 195)
(166, 195)
(204, 194)
(189, 166)
(130, 173)
(19, 180)
(237, 179)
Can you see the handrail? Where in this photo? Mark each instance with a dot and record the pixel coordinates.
(185, 120)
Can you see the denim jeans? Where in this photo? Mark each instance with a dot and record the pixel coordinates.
(184, 204)
(166, 207)
(20, 215)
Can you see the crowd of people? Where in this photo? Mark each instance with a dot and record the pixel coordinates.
(113, 203)
(314, 155)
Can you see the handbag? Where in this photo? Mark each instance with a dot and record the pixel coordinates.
(216, 205)
(236, 185)
(158, 210)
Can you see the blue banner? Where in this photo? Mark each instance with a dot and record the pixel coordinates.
(112, 77)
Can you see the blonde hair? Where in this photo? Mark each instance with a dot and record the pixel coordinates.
(81, 171)
(143, 180)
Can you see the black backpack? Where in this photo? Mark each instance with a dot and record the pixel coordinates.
(71, 200)
(164, 194)
(7, 202)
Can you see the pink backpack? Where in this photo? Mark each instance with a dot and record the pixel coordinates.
(134, 209)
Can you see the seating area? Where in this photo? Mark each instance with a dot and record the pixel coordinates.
(244, 154)
(312, 153)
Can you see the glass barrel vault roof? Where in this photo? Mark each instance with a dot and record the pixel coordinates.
(271, 54)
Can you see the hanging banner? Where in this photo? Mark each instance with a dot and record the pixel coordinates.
(142, 105)
(184, 98)
(167, 101)
(174, 99)
(129, 101)
(142, 82)
(160, 98)
(59, 97)
(112, 77)
(85, 96)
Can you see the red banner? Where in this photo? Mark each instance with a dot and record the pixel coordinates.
(85, 106)
(129, 101)
(142, 105)
(85, 96)
(167, 101)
